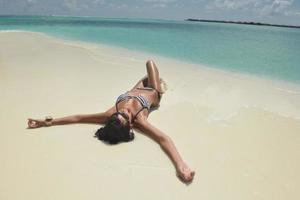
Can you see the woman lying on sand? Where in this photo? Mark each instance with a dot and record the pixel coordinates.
(130, 111)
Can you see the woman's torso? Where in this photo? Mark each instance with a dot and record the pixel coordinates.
(133, 105)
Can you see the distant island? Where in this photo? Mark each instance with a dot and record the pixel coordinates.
(239, 22)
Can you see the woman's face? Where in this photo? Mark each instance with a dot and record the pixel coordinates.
(124, 118)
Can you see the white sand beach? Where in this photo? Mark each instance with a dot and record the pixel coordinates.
(240, 133)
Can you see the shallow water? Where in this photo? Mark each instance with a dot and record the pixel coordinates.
(271, 52)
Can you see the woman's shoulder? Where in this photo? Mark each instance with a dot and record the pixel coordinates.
(140, 121)
(110, 111)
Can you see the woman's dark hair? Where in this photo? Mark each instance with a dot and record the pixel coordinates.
(114, 131)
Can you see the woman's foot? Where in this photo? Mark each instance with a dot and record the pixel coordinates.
(163, 86)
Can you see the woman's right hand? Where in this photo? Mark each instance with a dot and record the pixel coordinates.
(35, 123)
(185, 173)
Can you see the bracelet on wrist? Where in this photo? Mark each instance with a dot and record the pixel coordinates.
(48, 121)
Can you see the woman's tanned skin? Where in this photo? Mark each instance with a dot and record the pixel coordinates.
(130, 107)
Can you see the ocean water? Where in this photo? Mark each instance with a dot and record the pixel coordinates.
(272, 52)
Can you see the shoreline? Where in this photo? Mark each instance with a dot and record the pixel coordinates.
(95, 50)
(91, 45)
(83, 44)
(239, 133)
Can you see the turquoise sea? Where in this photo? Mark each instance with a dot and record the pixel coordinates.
(272, 52)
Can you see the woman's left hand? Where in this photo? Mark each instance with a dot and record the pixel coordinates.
(35, 123)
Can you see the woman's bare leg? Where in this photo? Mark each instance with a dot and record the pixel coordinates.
(153, 76)
(151, 80)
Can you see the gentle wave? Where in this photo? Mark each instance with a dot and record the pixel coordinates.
(270, 52)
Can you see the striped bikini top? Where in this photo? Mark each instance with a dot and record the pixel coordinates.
(143, 101)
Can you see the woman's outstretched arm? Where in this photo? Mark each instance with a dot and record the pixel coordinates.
(166, 143)
(97, 118)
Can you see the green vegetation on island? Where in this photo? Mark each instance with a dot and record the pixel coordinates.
(240, 22)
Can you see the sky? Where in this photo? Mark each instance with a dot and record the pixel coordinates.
(267, 11)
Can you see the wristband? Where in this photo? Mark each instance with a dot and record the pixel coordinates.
(48, 121)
